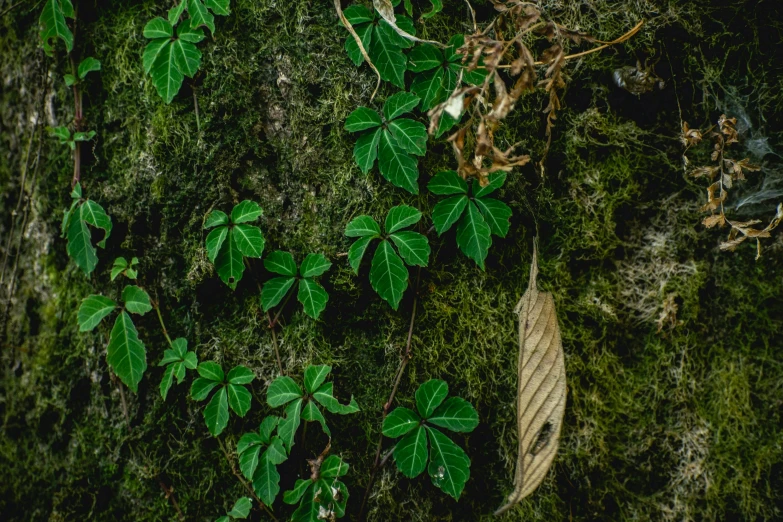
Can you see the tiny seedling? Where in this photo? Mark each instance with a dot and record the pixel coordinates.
(232, 239)
(311, 294)
(479, 216)
(322, 496)
(241, 510)
(86, 66)
(449, 466)
(388, 275)
(84, 212)
(231, 393)
(259, 455)
(176, 359)
(122, 267)
(284, 391)
(382, 43)
(66, 138)
(125, 352)
(393, 140)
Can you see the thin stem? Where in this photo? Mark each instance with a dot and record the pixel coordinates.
(77, 110)
(241, 479)
(170, 496)
(156, 306)
(378, 463)
(288, 296)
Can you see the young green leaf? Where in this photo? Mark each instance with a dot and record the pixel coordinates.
(240, 375)
(311, 413)
(212, 371)
(410, 453)
(293, 496)
(496, 214)
(126, 353)
(92, 311)
(400, 217)
(399, 104)
(449, 467)
(163, 68)
(287, 427)
(215, 218)
(447, 212)
(216, 412)
(315, 375)
(333, 467)
(399, 422)
(413, 247)
(158, 28)
(325, 396)
(357, 250)
(362, 226)
(87, 66)
(239, 399)
(424, 58)
(361, 119)
(137, 301)
(411, 135)
(176, 12)
(229, 263)
(446, 183)
(245, 212)
(314, 265)
(282, 391)
(473, 235)
(387, 57)
(79, 247)
(281, 263)
(275, 290)
(249, 240)
(313, 297)
(430, 395)
(215, 241)
(120, 264)
(241, 508)
(200, 15)
(366, 150)
(388, 275)
(455, 414)
(201, 388)
(53, 26)
(93, 214)
(396, 165)
(496, 181)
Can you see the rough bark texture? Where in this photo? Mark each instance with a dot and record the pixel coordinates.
(681, 422)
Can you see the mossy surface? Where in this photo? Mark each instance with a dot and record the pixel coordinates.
(677, 423)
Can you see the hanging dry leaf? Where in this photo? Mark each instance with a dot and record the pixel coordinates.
(541, 393)
(386, 10)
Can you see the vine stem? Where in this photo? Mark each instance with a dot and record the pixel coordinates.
(406, 357)
(156, 306)
(171, 498)
(241, 479)
(269, 320)
(77, 109)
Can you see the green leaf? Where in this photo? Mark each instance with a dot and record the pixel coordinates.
(76, 193)
(410, 453)
(191, 360)
(201, 388)
(446, 183)
(445, 124)
(268, 425)
(388, 275)
(94, 215)
(400, 217)
(92, 311)
(473, 235)
(411, 135)
(179, 371)
(167, 381)
(496, 181)
(399, 104)
(274, 291)
(314, 265)
(311, 413)
(151, 53)
(176, 12)
(325, 396)
(79, 247)
(180, 346)
(266, 481)
(158, 28)
(362, 226)
(200, 15)
(241, 508)
(188, 33)
(245, 212)
(240, 375)
(219, 7)
(119, 266)
(169, 356)
(455, 414)
(413, 247)
(276, 453)
(83, 136)
(229, 263)
(395, 165)
(424, 57)
(447, 212)
(387, 57)
(437, 6)
(287, 427)
(137, 301)
(249, 457)
(215, 241)
(249, 239)
(281, 263)
(166, 75)
(333, 467)
(212, 371)
(88, 65)
(361, 119)
(126, 353)
(216, 413)
(430, 395)
(187, 57)
(53, 26)
(315, 375)
(357, 250)
(365, 33)
(316, 502)
(67, 218)
(366, 150)
(215, 218)
(496, 214)
(429, 86)
(63, 134)
(358, 14)
(282, 391)
(449, 467)
(239, 399)
(313, 297)
(293, 496)
(394, 38)
(224, 518)
(450, 52)
(399, 422)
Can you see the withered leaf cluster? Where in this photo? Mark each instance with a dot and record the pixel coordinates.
(722, 175)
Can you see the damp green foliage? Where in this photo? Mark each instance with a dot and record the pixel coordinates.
(176, 359)
(240, 511)
(323, 496)
(680, 424)
(231, 239)
(229, 392)
(74, 227)
(310, 293)
(259, 455)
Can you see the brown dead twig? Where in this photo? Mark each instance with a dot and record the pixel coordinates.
(506, 50)
(727, 171)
